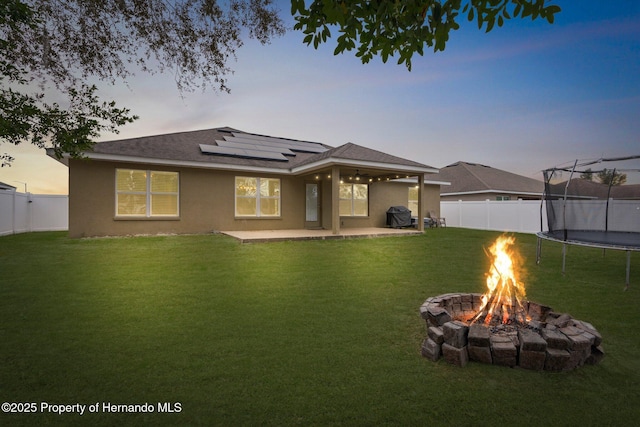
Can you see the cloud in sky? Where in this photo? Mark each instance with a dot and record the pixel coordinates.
(521, 98)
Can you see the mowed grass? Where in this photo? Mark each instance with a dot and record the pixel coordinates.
(294, 333)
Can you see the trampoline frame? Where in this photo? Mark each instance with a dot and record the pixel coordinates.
(603, 246)
(566, 240)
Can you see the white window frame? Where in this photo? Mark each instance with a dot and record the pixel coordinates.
(351, 199)
(148, 195)
(258, 197)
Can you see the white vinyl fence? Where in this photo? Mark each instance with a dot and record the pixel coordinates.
(518, 216)
(24, 212)
(21, 213)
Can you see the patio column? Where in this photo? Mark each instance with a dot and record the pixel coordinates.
(335, 200)
(421, 203)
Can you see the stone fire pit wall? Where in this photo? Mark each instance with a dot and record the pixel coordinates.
(550, 341)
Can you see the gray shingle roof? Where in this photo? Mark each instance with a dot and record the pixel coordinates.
(476, 178)
(4, 186)
(184, 147)
(579, 187)
(350, 151)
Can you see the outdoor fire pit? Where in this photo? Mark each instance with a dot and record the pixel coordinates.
(501, 327)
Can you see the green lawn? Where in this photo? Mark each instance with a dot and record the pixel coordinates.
(294, 333)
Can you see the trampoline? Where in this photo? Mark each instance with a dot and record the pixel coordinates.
(597, 205)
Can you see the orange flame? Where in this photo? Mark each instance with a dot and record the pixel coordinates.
(504, 296)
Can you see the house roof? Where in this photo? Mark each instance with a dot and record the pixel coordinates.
(4, 186)
(356, 154)
(584, 188)
(472, 178)
(232, 149)
(579, 187)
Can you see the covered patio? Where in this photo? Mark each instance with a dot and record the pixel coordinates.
(354, 165)
(262, 236)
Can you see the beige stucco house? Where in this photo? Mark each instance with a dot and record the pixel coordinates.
(227, 180)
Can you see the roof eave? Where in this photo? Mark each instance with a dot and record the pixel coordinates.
(426, 181)
(332, 161)
(183, 163)
(64, 159)
(308, 168)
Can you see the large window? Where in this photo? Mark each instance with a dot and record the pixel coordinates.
(354, 200)
(257, 197)
(145, 193)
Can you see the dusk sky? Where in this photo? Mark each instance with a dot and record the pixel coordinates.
(522, 98)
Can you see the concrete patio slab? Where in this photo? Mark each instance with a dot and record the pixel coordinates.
(302, 234)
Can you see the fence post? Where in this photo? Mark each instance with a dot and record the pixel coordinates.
(487, 210)
(519, 214)
(13, 213)
(29, 213)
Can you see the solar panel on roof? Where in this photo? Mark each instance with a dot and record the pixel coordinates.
(233, 143)
(260, 147)
(239, 152)
(262, 143)
(310, 147)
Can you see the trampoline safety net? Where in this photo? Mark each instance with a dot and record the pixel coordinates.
(595, 201)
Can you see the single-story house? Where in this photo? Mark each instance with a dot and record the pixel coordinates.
(224, 179)
(476, 182)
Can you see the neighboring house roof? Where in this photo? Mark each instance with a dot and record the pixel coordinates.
(474, 178)
(626, 191)
(579, 188)
(583, 188)
(231, 149)
(8, 187)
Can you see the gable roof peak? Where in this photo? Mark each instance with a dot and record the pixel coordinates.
(463, 163)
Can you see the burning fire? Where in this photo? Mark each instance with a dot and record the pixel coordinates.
(502, 302)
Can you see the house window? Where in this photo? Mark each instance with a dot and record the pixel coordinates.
(354, 200)
(257, 197)
(145, 193)
(500, 198)
(412, 204)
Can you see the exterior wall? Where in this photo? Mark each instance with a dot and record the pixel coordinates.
(383, 195)
(207, 202)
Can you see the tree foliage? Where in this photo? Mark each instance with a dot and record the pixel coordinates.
(404, 27)
(52, 49)
(587, 174)
(611, 177)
